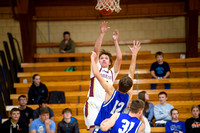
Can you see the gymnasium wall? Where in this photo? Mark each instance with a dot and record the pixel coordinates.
(137, 28)
(7, 24)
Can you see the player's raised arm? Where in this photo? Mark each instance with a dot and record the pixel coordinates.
(98, 42)
(110, 122)
(134, 51)
(118, 60)
(108, 88)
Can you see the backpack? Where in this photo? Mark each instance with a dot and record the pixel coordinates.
(56, 97)
(73, 68)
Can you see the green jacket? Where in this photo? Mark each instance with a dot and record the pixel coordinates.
(69, 48)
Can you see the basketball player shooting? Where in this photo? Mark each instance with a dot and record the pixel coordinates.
(103, 60)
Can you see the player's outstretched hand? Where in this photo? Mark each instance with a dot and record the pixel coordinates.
(136, 47)
(93, 55)
(104, 27)
(115, 35)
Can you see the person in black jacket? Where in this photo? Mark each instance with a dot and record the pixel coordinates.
(192, 124)
(14, 124)
(69, 124)
(37, 91)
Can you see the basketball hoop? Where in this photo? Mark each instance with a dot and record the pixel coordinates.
(108, 5)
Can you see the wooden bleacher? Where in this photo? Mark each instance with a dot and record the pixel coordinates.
(76, 97)
(84, 75)
(84, 85)
(80, 56)
(185, 81)
(61, 66)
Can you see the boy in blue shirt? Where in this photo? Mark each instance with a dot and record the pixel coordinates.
(175, 126)
(43, 124)
(115, 100)
(126, 122)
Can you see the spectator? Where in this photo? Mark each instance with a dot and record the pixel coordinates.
(68, 124)
(160, 69)
(14, 124)
(192, 124)
(37, 90)
(149, 108)
(126, 122)
(162, 110)
(43, 104)
(26, 113)
(67, 45)
(43, 124)
(175, 126)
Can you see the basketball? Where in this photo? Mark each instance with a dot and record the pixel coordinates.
(107, 4)
(104, 12)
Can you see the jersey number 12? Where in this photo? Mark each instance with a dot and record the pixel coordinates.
(115, 109)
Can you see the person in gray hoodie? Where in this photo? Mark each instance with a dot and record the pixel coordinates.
(162, 110)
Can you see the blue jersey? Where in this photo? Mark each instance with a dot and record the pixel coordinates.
(125, 124)
(171, 127)
(116, 104)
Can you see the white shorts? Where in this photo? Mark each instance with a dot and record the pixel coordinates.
(91, 110)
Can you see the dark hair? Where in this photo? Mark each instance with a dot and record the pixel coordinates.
(194, 106)
(173, 110)
(159, 53)
(35, 76)
(136, 106)
(41, 101)
(13, 110)
(162, 92)
(125, 84)
(106, 53)
(21, 96)
(66, 32)
(141, 95)
(67, 110)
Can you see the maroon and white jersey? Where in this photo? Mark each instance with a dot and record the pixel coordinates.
(96, 91)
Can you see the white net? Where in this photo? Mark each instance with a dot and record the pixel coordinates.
(108, 5)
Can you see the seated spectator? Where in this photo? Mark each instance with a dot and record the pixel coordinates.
(43, 124)
(26, 113)
(14, 124)
(175, 126)
(160, 69)
(43, 104)
(149, 108)
(67, 45)
(37, 90)
(69, 124)
(192, 124)
(162, 110)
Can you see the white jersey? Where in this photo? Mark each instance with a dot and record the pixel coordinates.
(96, 91)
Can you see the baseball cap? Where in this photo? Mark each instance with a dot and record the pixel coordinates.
(44, 110)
